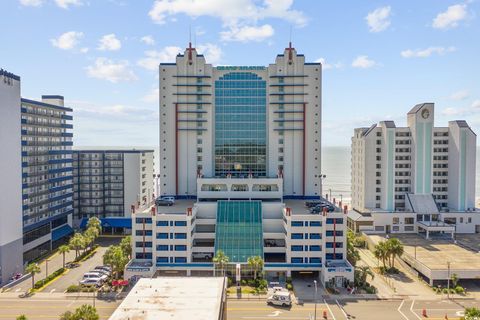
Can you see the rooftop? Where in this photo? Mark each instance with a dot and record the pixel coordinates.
(180, 207)
(176, 298)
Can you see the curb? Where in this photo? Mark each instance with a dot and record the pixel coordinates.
(52, 281)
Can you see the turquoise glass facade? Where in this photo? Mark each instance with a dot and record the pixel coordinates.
(240, 125)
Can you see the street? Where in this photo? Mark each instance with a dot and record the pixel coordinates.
(350, 309)
(49, 306)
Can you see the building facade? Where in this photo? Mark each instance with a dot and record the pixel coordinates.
(11, 222)
(240, 121)
(108, 182)
(240, 152)
(423, 171)
(47, 175)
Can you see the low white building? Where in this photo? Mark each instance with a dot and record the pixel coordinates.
(182, 239)
(418, 178)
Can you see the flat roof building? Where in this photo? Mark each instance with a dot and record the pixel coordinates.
(175, 298)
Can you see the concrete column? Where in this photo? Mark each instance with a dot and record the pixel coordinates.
(189, 273)
(427, 234)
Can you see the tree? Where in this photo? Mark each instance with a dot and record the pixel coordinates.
(76, 243)
(126, 245)
(64, 249)
(90, 235)
(22, 317)
(394, 249)
(84, 312)
(116, 259)
(381, 252)
(32, 268)
(256, 263)
(95, 223)
(361, 274)
(471, 314)
(454, 279)
(221, 260)
(352, 253)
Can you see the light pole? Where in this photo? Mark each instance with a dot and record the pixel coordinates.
(330, 197)
(315, 312)
(415, 253)
(448, 280)
(46, 267)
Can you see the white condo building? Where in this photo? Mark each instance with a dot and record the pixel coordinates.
(108, 182)
(240, 152)
(418, 178)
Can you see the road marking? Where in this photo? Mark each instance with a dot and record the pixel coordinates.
(330, 310)
(411, 310)
(400, 311)
(52, 291)
(18, 289)
(343, 311)
(275, 313)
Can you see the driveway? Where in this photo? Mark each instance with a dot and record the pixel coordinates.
(304, 287)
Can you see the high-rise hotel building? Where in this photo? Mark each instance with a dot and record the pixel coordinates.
(405, 178)
(37, 175)
(240, 121)
(240, 152)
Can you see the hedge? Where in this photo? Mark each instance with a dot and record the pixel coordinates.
(43, 282)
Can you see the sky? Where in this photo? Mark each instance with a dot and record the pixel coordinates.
(379, 58)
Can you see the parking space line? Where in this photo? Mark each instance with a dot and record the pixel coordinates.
(400, 311)
(329, 310)
(411, 310)
(341, 309)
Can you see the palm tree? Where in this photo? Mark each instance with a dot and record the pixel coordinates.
(361, 274)
(352, 253)
(90, 235)
(63, 249)
(116, 259)
(86, 312)
(22, 317)
(471, 314)
(381, 252)
(76, 243)
(94, 222)
(221, 260)
(256, 263)
(32, 268)
(126, 245)
(394, 248)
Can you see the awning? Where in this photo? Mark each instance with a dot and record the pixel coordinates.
(111, 222)
(61, 232)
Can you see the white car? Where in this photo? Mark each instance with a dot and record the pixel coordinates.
(202, 255)
(171, 199)
(91, 282)
(95, 275)
(280, 298)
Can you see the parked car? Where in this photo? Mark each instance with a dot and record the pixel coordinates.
(313, 203)
(280, 298)
(164, 202)
(105, 268)
(202, 255)
(171, 199)
(95, 275)
(16, 276)
(102, 272)
(97, 282)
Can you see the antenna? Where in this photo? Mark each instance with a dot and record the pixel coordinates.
(290, 38)
(190, 33)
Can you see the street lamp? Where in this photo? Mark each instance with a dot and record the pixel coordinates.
(448, 280)
(315, 313)
(46, 267)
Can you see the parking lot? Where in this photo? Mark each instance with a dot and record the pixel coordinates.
(72, 276)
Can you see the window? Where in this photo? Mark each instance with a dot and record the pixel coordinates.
(180, 248)
(409, 221)
(297, 236)
(334, 220)
(315, 260)
(180, 259)
(296, 260)
(162, 235)
(338, 233)
(297, 223)
(315, 236)
(315, 223)
(180, 236)
(296, 248)
(143, 232)
(162, 259)
(396, 220)
(143, 220)
(141, 244)
(315, 248)
(141, 255)
(162, 223)
(162, 247)
(180, 223)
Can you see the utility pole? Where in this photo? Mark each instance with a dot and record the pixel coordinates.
(315, 313)
(448, 280)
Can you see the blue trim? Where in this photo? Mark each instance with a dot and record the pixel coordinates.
(24, 175)
(61, 232)
(60, 206)
(67, 125)
(43, 104)
(24, 132)
(9, 75)
(187, 265)
(67, 117)
(111, 151)
(312, 63)
(60, 179)
(63, 196)
(24, 185)
(23, 121)
(60, 152)
(55, 161)
(24, 153)
(168, 64)
(55, 189)
(67, 143)
(25, 207)
(111, 222)
(48, 220)
(59, 170)
(67, 134)
(292, 197)
(54, 96)
(293, 265)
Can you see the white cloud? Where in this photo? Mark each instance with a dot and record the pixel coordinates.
(476, 104)
(109, 42)
(68, 40)
(451, 17)
(152, 96)
(84, 50)
(378, 20)
(148, 40)
(230, 12)
(474, 108)
(213, 53)
(247, 33)
(363, 62)
(153, 58)
(425, 53)
(111, 71)
(66, 3)
(327, 66)
(459, 95)
(31, 3)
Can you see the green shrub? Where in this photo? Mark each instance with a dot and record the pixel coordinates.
(459, 290)
(229, 282)
(289, 280)
(41, 283)
(370, 290)
(289, 286)
(445, 290)
(243, 282)
(73, 288)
